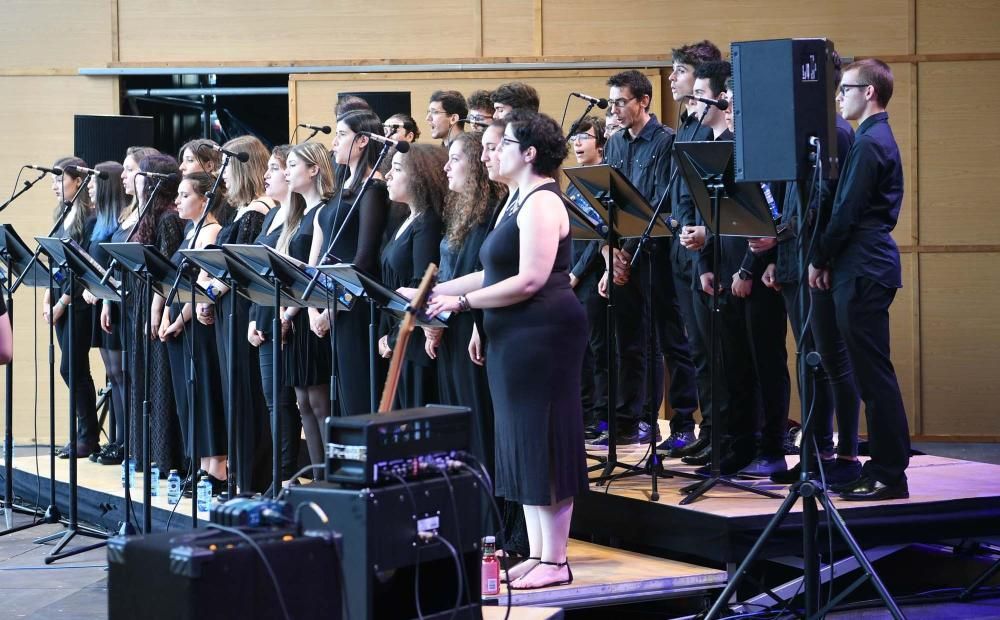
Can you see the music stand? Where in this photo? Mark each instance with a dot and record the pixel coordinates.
(614, 209)
(18, 258)
(729, 209)
(55, 249)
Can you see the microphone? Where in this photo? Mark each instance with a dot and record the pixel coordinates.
(161, 175)
(323, 129)
(401, 146)
(722, 104)
(53, 170)
(243, 157)
(100, 174)
(601, 103)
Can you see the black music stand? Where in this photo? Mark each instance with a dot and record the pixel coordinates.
(617, 210)
(250, 269)
(18, 259)
(728, 209)
(55, 249)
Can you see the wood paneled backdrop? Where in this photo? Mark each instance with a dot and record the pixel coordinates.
(946, 337)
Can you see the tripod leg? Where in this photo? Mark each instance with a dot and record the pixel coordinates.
(859, 554)
(54, 556)
(730, 588)
(980, 580)
(698, 489)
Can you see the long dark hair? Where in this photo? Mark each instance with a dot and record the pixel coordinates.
(82, 204)
(163, 202)
(359, 121)
(111, 199)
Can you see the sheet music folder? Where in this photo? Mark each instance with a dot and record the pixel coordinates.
(743, 208)
(389, 300)
(147, 259)
(89, 272)
(20, 255)
(632, 212)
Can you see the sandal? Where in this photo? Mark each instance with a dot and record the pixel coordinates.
(503, 573)
(565, 582)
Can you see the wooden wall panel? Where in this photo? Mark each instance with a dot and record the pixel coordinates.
(959, 337)
(53, 36)
(152, 31)
(903, 121)
(509, 27)
(314, 94)
(645, 27)
(37, 127)
(958, 147)
(944, 26)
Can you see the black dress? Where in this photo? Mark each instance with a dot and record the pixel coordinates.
(100, 338)
(306, 357)
(533, 363)
(250, 458)
(164, 431)
(358, 244)
(404, 261)
(210, 416)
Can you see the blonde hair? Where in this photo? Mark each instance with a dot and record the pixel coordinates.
(248, 177)
(315, 154)
(296, 208)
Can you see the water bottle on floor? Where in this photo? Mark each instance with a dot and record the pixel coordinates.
(173, 487)
(154, 479)
(131, 473)
(204, 494)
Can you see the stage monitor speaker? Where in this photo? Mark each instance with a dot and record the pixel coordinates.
(98, 139)
(384, 104)
(388, 545)
(784, 91)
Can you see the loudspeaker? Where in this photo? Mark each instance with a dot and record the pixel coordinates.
(98, 139)
(388, 544)
(784, 91)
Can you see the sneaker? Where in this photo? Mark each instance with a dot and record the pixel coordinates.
(676, 441)
(764, 467)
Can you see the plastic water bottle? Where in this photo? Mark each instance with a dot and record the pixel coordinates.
(173, 487)
(204, 494)
(154, 479)
(491, 567)
(131, 473)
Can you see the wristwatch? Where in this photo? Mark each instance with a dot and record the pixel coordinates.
(744, 274)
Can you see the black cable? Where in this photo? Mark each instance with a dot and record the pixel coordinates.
(462, 586)
(34, 336)
(565, 109)
(295, 476)
(458, 568)
(263, 557)
(614, 477)
(416, 572)
(184, 483)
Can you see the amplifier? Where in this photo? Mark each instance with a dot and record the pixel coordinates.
(209, 573)
(372, 449)
(389, 535)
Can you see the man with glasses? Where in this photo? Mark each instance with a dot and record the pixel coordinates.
(446, 114)
(858, 260)
(480, 109)
(640, 150)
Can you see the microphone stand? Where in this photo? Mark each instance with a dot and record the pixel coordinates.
(327, 255)
(576, 123)
(27, 185)
(192, 409)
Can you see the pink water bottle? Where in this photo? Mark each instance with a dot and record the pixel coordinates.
(491, 567)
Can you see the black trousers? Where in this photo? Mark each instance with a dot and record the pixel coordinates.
(767, 326)
(687, 300)
(595, 404)
(289, 421)
(86, 396)
(862, 310)
(630, 325)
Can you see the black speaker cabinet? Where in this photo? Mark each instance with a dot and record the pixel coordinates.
(383, 551)
(206, 573)
(784, 91)
(98, 139)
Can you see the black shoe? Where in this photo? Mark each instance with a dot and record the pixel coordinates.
(704, 440)
(702, 457)
(868, 489)
(594, 431)
(624, 438)
(113, 454)
(187, 486)
(676, 441)
(730, 465)
(83, 450)
(841, 471)
(764, 467)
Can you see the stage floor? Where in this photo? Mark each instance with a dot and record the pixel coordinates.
(948, 497)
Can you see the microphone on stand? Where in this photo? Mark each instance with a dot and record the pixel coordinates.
(722, 104)
(100, 174)
(401, 146)
(601, 103)
(242, 157)
(53, 170)
(165, 176)
(322, 129)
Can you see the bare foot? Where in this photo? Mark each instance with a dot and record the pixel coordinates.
(543, 575)
(520, 569)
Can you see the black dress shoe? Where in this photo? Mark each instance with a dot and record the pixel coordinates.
(696, 446)
(868, 489)
(701, 457)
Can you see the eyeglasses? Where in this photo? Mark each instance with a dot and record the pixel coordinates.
(506, 141)
(843, 87)
(580, 137)
(620, 103)
(392, 128)
(434, 112)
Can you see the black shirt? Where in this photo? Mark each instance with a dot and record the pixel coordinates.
(857, 240)
(644, 159)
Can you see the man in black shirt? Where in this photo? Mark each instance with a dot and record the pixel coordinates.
(858, 260)
(641, 151)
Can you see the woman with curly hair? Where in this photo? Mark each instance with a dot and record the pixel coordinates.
(416, 180)
(536, 330)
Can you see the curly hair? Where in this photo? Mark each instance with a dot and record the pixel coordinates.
(424, 168)
(165, 196)
(470, 207)
(248, 178)
(542, 132)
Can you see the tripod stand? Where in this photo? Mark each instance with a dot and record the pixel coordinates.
(811, 492)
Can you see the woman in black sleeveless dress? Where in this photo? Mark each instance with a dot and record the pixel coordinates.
(306, 359)
(359, 244)
(536, 334)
